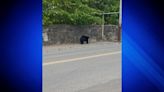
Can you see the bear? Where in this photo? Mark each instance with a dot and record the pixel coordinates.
(83, 39)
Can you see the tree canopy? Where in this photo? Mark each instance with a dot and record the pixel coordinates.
(79, 12)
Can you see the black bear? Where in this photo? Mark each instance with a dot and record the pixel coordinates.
(83, 39)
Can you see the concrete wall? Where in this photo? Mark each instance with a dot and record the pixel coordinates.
(63, 34)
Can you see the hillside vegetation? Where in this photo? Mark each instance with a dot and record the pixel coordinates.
(79, 12)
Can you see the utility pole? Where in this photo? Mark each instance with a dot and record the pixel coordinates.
(102, 31)
(102, 34)
(120, 22)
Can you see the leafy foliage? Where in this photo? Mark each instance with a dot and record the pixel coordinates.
(79, 12)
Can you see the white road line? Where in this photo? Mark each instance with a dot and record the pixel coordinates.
(81, 58)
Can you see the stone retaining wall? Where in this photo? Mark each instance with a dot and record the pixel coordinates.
(64, 34)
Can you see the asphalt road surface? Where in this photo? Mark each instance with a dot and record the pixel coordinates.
(92, 67)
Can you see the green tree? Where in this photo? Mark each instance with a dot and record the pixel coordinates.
(79, 12)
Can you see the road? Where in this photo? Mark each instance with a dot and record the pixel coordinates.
(92, 67)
